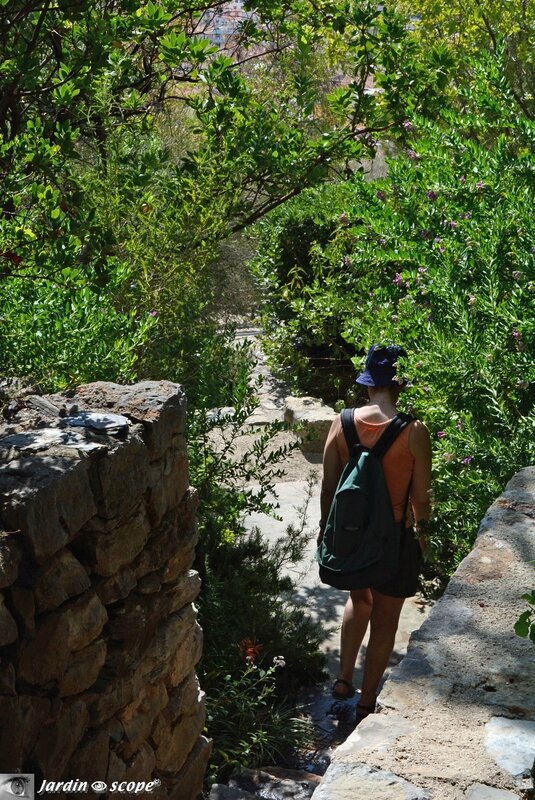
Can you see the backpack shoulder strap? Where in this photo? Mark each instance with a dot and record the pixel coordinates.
(350, 431)
(398, 424)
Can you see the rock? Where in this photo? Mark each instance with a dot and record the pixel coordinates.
(188, 784)
(186, 656)
(266, 783)
(27, 716)
(48, 499)
(341, 780)
(63, 578)
(172, 542)
(221, 792)
(170, 489)
(120, 478)
(84, 619)
(23, 605)
(184, 590)
(315, 418)
(134, 621)
(141, 766)
(7, 678)
(480, 791)
(138, 717)
(107, 553)
(184, 697)
(82, 670)
(149, 584)
(159, 405)
(115, 695)
(59, 740)
(8, 627)
(117, 587)
(175, 741)
(116, 769)
(172, 633)
(10, 556)
(511, 743)
(91, 759)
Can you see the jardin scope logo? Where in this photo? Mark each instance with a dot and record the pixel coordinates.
(23, 786)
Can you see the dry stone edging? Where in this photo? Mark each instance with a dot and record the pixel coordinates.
(457, 716)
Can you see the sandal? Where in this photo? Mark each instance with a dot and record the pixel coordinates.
(363, 711)
(342, 695)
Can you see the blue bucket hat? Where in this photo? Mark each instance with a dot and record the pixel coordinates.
(380, 366)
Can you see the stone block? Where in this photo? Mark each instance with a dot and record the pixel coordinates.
(51, 505)
(8, 627)
(171, 634)
(221, 792)
(120, 478)
(186, 656)
(59, 740)
(184, 698)
(175, 537)
(174, 741)
(134, 621)
(149, 584)
(82, 670)
(138, 717)
(183, 591)
(44, 654)
(314, 417)
(22, 603)
(107, 553)
(117, 587)
(84, 619)
(10, 556)
(23, 718)
(91, 759)
(62, 578)
(116, 694)
(7, 678)
(141, 765)
(189, 781)
(170, 489)
(116, 768)
(340, 781)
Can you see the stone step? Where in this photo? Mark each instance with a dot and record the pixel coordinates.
(221, 792)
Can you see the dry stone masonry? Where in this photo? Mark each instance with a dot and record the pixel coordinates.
(98, 631)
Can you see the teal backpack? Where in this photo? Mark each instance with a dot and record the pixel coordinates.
(361, 541)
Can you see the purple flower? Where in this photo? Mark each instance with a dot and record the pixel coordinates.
(472, 299)
(382, 241)
(431, 195)
(442, 249)
(346, 261)
(153, 313)
(462, 179)
(412, 155)
(380, 195)
(398, 280)
(517, 275)
(425, 234)
(467, 460)
(533, 251)
(452, 224)
(409, 127)
(422, 270)
(481, 186)
(459, 425)
(448, 456)
(441, 434)
(516, 334)
(343, 219)
(466, 215)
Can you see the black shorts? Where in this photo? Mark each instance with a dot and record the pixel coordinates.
(404, 583)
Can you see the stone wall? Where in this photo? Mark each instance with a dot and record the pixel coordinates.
(98, 632)
(457, 716)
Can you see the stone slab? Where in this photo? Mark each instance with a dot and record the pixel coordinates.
(345, 782)
(511, 743)
(480, 791)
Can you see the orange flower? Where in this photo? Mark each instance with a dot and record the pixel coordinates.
(251, 649)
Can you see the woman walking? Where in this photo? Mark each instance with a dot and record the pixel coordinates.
(407, 471)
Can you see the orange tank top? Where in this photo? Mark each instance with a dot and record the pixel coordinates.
(398, 461)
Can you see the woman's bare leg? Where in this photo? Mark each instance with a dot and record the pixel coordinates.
(355, 621)
(384, 621)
